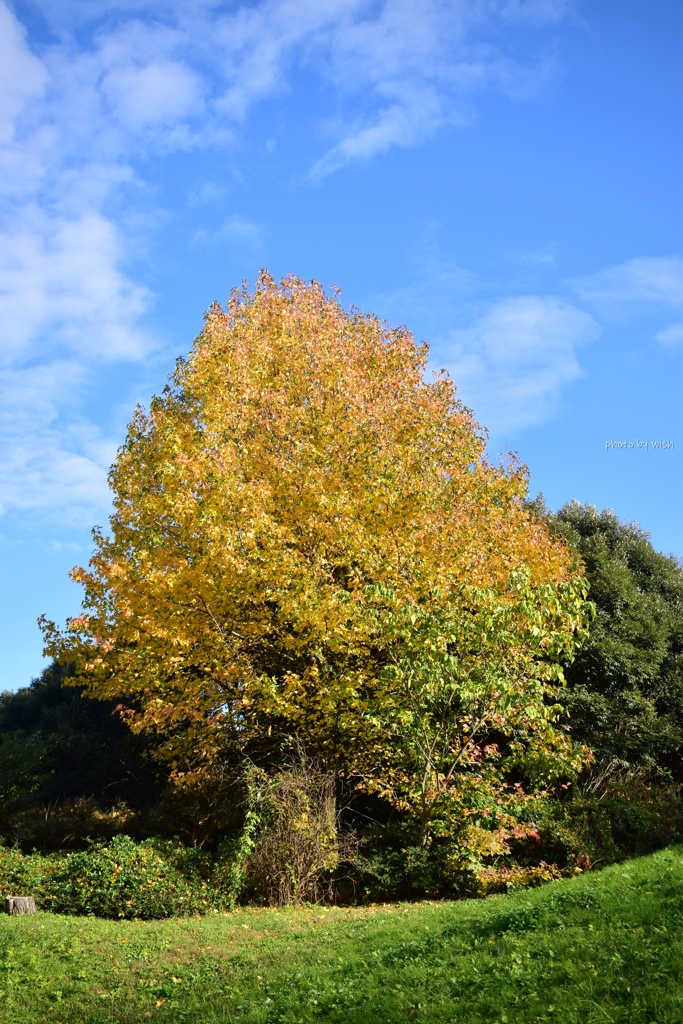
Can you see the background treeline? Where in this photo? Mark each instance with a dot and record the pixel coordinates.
(624, 691)
(72, 774)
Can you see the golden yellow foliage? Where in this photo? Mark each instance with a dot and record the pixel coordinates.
(298, 459)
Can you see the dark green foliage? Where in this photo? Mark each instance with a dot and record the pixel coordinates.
(393, 865)
(630, 819)
(22, 760)
(389, 871)
(70, 768)
(88, 749)
(624, 689)
(624, 696)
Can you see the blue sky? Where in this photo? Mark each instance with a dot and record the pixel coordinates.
(503, 176)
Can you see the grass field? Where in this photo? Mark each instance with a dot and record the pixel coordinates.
(602, 948)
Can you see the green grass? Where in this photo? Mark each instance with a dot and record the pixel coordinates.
(602, 948)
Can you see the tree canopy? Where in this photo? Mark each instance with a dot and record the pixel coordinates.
(625, 686)
(294, 515)
(66, 762)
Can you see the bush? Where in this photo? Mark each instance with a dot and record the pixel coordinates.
(23, 875)
(411, 872)
(634, 815)
(128, 879)
(152, 879)
(393, 866)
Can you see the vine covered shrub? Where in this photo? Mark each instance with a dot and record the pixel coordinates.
(296, 840)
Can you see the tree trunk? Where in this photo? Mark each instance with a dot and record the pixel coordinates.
(20, 905)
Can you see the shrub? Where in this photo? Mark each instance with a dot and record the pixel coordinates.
(386, 873)
(635, 814)
(470, 862)
(23, 875)
(508, 879)
(296, 843)
(126, 879)
(151, 879)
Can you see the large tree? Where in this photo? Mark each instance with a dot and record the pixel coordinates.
(298, 465)
(625, 687)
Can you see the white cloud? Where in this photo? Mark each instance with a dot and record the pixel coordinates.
(402, 123)
(535, 12)
(176, 69)
(243, 233)
(422, 65)
(653, 280)
(543, 257)
(181, 76)
(206, 192)
(47, 465)
(511, 364)
(60, 281)
(65, 301)
(642, 289)
(671, 337)
(23, 77)
(155, 95)
(43, 476)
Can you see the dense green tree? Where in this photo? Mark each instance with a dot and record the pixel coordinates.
(61, 750)
(625, 686)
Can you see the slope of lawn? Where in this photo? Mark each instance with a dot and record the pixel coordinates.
(601, 947)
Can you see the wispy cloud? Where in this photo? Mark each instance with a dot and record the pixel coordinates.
(649, 286)
(535, 12)
(60, 282)
(671, 337)
(422, 67)
(398, 123)
(656, 280)
(243, 233)
(512, 358)
(50, 464)
(158, 94)
(512, 363)
(543, 257)
(185, 76)
(23, 77)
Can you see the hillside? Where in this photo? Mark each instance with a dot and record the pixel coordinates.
(604, 946)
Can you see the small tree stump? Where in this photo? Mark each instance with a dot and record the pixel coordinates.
(20, 905)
